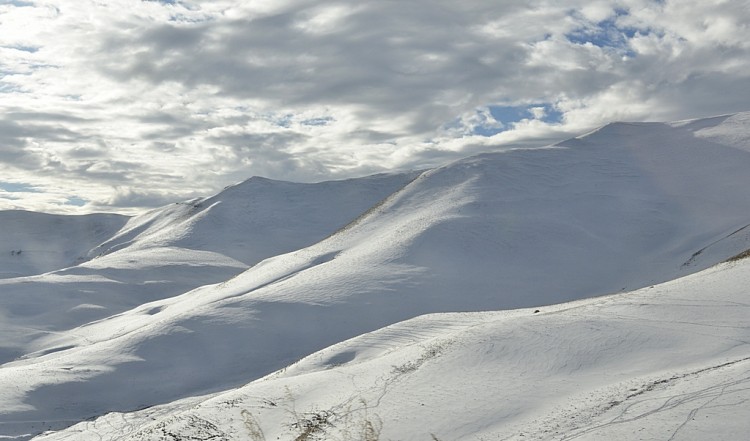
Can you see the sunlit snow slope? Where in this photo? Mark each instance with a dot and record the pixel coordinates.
(258, 218)
(624, 207)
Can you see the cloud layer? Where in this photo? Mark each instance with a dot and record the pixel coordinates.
(120, 104)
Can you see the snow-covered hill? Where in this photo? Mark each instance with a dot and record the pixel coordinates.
(99, 265)
(624, 207)
(257, 218)
(665, 362)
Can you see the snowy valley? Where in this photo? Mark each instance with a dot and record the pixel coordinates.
(593, 288)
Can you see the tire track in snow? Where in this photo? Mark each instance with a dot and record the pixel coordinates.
(711, 394)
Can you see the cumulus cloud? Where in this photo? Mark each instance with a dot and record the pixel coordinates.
(124, 104)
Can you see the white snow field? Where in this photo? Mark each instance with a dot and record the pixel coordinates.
(665, 362)
(625, 207)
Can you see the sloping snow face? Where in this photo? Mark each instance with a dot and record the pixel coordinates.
(99, 265)
(258, 218)
(79, 269)
(624, 207)
(665, 362)
(35, 243)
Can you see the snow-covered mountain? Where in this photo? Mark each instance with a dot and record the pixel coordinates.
(82, 268)
(256, 219)
(170, 310)
(35, 243)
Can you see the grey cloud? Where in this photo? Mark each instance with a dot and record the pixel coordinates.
(372, 136)
(159, 118)
(14, 143)
(15, 134)
(45, 117)
(702, 89)
(171, 39)
(85, 153)
(12, 135)
(313, 90)
(386, 61)
(171, 125)
(271, 154)
(256, 141)
(170, 133)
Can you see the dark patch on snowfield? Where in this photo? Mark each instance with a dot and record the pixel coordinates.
(743, 255)
(181, 428)
(52, 350)
(341, 358)
(155, 310)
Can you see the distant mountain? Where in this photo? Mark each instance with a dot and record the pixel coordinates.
(257, 218)
(34, 243)
(627, 206)
(82, 268)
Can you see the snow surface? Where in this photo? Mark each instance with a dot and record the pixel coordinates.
(257, 218)
(665, 362)
(159, 254)
(168, 311)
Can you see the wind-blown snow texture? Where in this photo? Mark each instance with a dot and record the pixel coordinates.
(624, 207)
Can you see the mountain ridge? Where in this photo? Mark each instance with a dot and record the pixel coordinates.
(621, 208)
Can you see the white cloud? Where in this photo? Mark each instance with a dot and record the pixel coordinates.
(127, 103)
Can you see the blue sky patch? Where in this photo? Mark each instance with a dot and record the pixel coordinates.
(323, 121)
(76, 201)
(18, 3)
(6, 87)
(505, 116)
(29, 49)
(283, 121)
(14, 187)
(182, 18)
(551, 114)
(605, 34)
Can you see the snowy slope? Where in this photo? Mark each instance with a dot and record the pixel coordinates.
(35, 243)
(257, 218)
(162, 253)
(666, 362)
(729, 130)
(624, 207)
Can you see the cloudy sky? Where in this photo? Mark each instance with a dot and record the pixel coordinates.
(114, 105)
